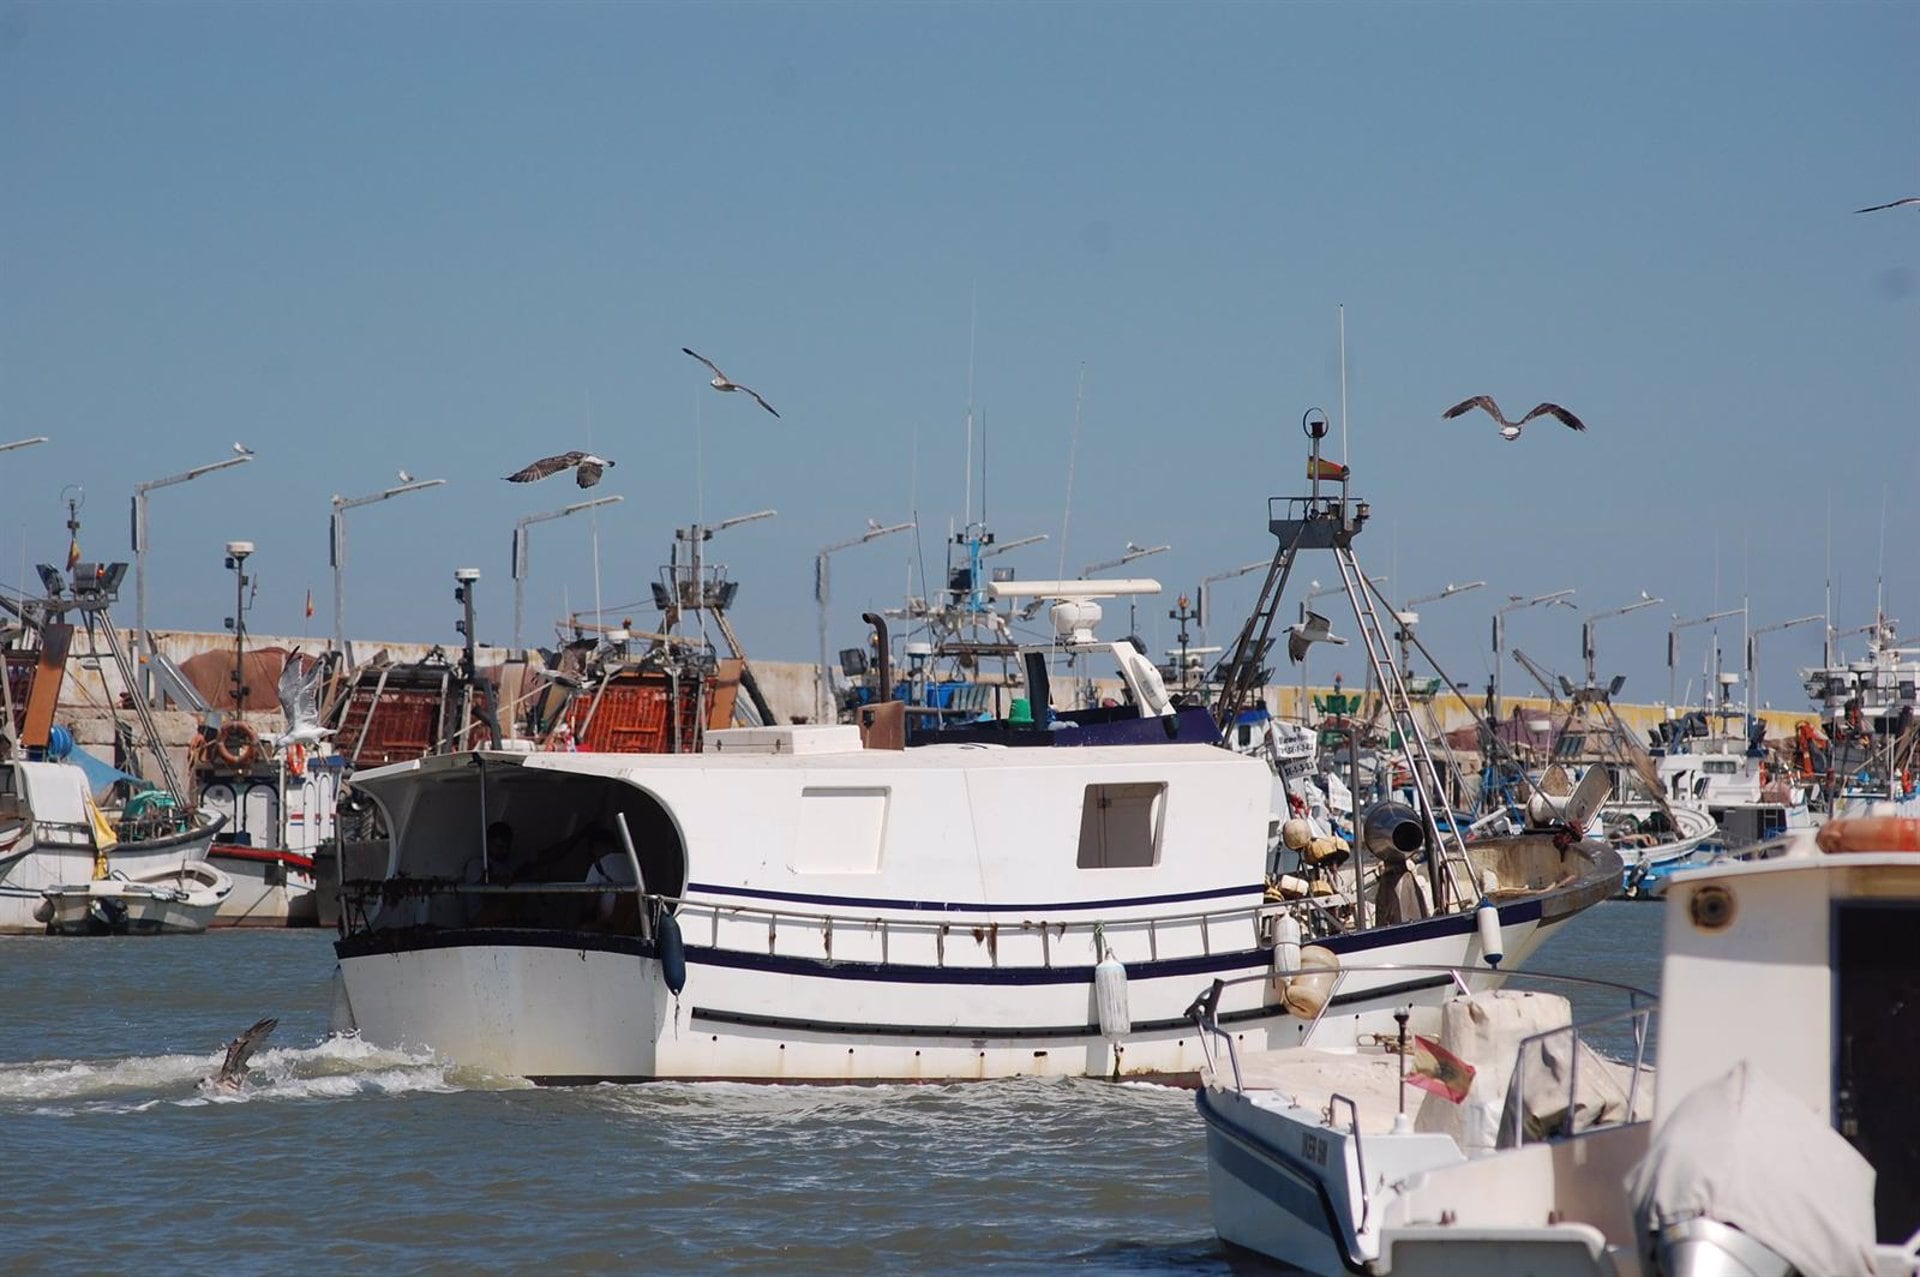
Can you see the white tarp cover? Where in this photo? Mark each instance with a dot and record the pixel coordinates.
(1746, 1152)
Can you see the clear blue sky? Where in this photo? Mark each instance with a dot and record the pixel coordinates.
(453, 238)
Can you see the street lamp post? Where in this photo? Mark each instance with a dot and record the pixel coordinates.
(1515, 603)
(337, 552)
(1407, 618)
(140, 491)
(1753, 651)
(822, 591)
(1673, 643)
(517, 563)
(1133, 552)
(22, 443)
(1205, 596)
(1592, 619)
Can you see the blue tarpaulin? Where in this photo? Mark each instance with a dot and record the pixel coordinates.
(102, 776)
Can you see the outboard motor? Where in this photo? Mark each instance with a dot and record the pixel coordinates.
(1393, 833)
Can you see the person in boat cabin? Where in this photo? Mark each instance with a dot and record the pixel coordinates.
(611, 911)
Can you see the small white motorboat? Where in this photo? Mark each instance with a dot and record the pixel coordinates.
(1782, 1137)
(180, 901)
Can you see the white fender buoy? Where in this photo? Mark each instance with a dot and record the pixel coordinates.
(1286, 950)
(1110, 998)
(1487, 918)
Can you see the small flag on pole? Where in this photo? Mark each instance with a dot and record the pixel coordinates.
(1321, 468)
(1439, 1070)
(73, 554)
(309, 602)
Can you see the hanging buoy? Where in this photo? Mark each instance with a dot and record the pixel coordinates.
(673, 956)
(1307, 993)
(1110, 998)
(1487, 918)
(1286, 950)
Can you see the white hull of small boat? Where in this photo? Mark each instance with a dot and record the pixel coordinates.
(181, 901)
(271, 887)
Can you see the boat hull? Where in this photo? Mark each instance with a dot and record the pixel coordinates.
(272, 887)
(572, 1008)
(23, 902)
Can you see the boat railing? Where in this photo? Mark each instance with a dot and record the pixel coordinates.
(1218, 1043)
(1535, 1056)
(936, 935)
(1334, 1102)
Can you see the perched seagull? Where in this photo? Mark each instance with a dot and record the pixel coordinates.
(233, 1069)
(722, 382)
(405, 477)
(242, 449)
(1510, 430)
(1912, 201)
(588, 466)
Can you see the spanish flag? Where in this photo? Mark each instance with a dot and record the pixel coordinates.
(73, 554)
(309, 602)
(1321, 468)
(1436, 1069)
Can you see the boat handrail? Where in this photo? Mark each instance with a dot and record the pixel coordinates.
(1204, 1009)
(1512, 1133)
(1359, 1151)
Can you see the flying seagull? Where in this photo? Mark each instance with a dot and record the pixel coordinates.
(1510, 430)
(589, 465)
(722, 382)
(233, 1069)
(1912, 201)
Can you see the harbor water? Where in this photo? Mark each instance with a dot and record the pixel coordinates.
(342, 1156)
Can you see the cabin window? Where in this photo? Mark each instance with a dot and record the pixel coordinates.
(1720, 767)
(840, 830)
(1120, 826)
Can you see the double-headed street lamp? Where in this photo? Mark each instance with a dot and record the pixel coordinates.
(337, 552)
(1673, 642)
(1753, 651)
(1592, 619)
(140, 491)
(518, 561)
(1515, 603)
(822, 591)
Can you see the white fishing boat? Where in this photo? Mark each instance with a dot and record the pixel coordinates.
(279, 795)
(177, 901)
(1017, 897)
(53, 836)
(1769, 1146)
(812, 909)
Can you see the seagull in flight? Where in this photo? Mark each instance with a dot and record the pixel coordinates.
(1510, 430)
(722, 382)
(586, 466)
(1912, 201)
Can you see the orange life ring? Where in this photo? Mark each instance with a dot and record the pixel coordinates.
(237, 745)
(1870, 833)
(296, 759)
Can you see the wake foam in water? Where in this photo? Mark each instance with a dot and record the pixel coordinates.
(339, 1067)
